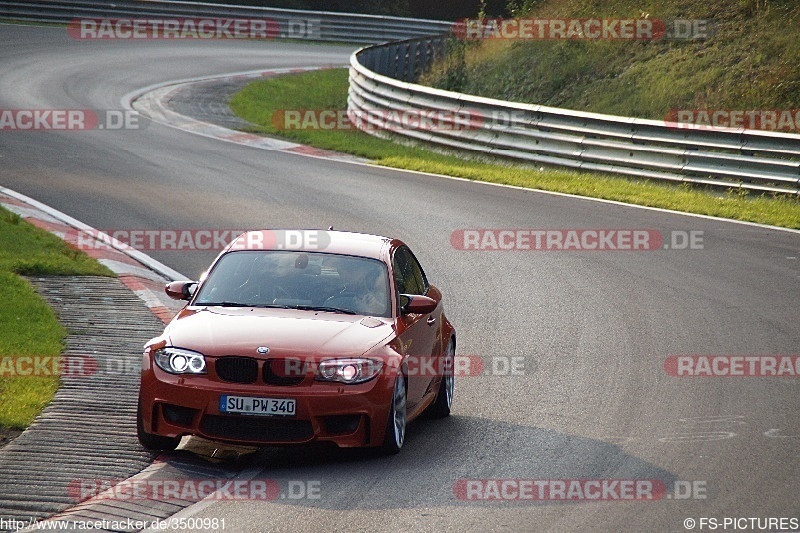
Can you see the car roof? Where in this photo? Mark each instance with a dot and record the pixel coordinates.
(315, 240)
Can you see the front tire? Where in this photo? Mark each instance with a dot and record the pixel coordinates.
(440, 408)
(155, 443)
(396, 424)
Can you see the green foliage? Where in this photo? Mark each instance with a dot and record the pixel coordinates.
(454, 67)
(520, 8)
(749, 61)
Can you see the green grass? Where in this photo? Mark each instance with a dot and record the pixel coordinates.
(322, 89)
(28, 327)
(327, 89)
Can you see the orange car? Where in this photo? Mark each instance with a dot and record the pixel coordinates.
(331, 337)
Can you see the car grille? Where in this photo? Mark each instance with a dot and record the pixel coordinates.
(256, 429)
(237, 369)
(283, 372)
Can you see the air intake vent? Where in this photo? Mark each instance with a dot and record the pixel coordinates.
(256, 429)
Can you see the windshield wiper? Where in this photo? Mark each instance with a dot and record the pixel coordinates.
(280, 306)
(240, 304)
(222, 304)
(324, 308)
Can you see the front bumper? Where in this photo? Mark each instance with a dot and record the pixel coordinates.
(345, 415)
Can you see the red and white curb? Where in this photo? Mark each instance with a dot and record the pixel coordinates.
(139, 272)
(154, 102)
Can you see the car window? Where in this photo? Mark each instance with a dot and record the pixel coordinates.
(298, 279)
(409, 276)
(363, 285)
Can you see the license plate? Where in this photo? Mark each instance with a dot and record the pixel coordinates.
(248, 405)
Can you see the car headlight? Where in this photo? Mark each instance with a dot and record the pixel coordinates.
(180, 361)
(350, 371)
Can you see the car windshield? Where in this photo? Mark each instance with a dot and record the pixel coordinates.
(298, 280)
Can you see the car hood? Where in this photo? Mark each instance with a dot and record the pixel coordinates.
(239, 331)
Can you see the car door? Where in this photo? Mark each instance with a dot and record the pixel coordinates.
(419, 336)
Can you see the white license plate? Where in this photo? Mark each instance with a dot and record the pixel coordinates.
(248, 405)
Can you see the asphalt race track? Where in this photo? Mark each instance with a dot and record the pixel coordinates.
(590, 399)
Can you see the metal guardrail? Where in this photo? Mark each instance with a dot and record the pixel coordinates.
(382, 90)
(309, 25)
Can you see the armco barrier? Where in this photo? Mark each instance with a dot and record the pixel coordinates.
(381, 82)
(324, 26)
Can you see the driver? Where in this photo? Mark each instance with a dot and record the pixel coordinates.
(364, 289)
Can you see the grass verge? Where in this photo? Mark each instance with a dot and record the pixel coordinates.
(28, 327)
(259, 101)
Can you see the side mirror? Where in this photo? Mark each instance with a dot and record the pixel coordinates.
(415, 303)
(181, 290)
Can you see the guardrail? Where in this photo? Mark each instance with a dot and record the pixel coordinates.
(382, 88)
(309, 25)
(382, 91)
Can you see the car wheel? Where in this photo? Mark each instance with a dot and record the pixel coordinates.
(396, 425)
(440, 408)
(150, 441)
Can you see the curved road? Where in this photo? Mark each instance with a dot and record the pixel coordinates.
(593, 328)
